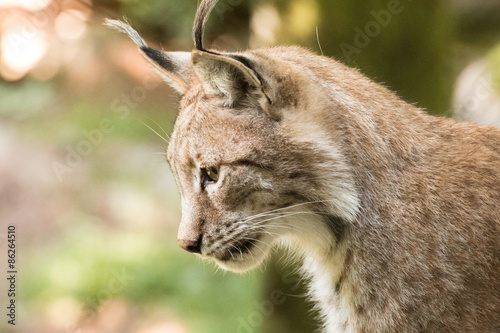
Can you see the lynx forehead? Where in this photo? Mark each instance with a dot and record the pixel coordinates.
(393, 212)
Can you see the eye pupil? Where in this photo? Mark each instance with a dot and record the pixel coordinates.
(211, 174)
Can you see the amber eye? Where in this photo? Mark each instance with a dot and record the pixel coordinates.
(212, 173)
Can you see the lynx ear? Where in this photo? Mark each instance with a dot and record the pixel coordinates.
(234, 75)
(173, 67)
(229, 74)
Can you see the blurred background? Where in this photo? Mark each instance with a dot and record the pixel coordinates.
(83, 124)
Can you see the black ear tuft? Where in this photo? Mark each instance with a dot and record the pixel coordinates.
(160, 58)
(204, 10)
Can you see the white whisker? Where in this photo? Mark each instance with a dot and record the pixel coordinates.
(161, 137)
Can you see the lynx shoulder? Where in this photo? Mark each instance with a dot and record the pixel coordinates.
(394, 213)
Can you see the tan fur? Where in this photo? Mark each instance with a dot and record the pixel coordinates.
(395, 213)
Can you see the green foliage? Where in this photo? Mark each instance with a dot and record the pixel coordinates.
(92, 264)
(25, 99)
(163, 20)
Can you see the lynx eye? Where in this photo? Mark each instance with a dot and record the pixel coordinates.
(213, 173)
(210, 174)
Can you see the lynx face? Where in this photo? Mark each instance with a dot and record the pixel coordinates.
(241, 189)
(226, 181)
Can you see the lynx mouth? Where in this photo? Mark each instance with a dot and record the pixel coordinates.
(238, 250)
(243, 253)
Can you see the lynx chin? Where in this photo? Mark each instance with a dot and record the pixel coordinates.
(394, 213)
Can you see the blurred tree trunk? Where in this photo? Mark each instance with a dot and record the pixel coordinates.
(405, 45)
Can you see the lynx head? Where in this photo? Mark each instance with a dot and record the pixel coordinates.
(248, 151)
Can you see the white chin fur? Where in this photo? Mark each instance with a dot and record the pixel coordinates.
(237, 266)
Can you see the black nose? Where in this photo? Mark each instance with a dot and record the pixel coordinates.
(193, 246)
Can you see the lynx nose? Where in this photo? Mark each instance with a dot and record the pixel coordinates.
(190, 230)
(193, 246)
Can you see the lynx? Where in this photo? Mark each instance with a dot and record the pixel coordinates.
(394, 213)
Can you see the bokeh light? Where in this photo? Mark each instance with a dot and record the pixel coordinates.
(33, 35)
(70, 25)
(20, 52)
(31, 5)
